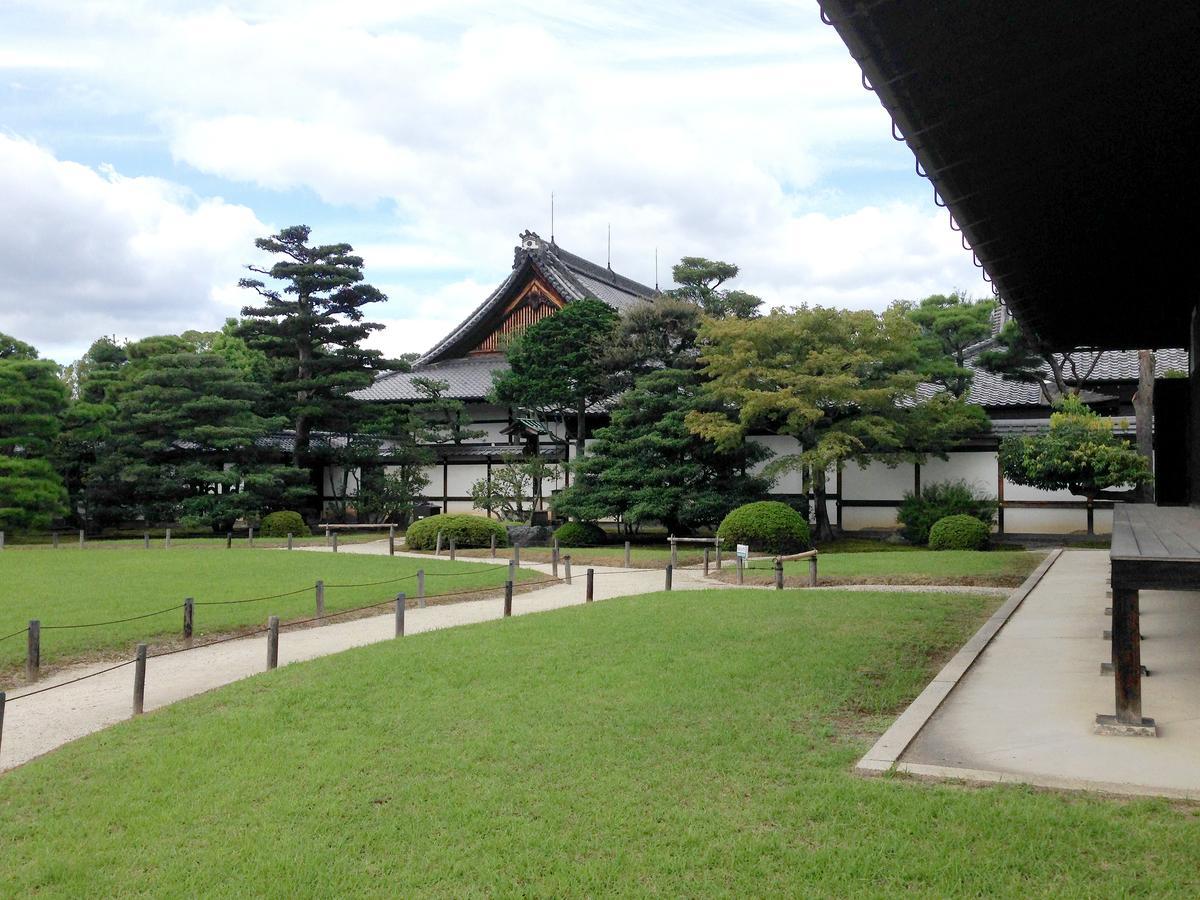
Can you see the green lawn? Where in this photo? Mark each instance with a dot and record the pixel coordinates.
(685, 744)
(999, 568)
(69, 587)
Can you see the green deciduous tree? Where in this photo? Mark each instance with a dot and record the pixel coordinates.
(1079, 454)
(700, 281)
(949, 324)
(32, 398)
(311, 329)
(841, 382)
(557, 365)
(514, 488)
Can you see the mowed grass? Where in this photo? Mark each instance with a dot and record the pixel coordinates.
(685, 744)
(79, 587)
(999, 568)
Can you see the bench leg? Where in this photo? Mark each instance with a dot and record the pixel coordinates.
(1127, 670)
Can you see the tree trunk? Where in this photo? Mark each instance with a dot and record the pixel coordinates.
(303, 373)
(1143, 409)
(824, 530)
(580, 429)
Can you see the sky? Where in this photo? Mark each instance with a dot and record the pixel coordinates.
(145, 144)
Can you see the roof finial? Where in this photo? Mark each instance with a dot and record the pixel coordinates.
(552, 217)
(610, 246)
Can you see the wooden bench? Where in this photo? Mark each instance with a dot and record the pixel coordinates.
(1153, 548)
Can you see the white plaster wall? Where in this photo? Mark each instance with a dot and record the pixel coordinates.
(877, 481)
(977, 469)
(780, 445)
(462, 476)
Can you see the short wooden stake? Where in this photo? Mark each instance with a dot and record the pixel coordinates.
(437, 550)
(779, 574)
(674, 553)
(250, 535)
(508, 588)
(493, 545)
(589, 593)
(741, 571)
(146, 540)
(512, 570)
(400, 605)
(517, 555)
(812, 571)
(718, 556)
(272, 642)
(328, 534)
(453, 547)
(54, 538)
(628, 555)
(320, 599)
(567, 568)
(189, 614)
(229, 540)
(82, 535)
(554, 560)
(1, 540)
(391, 540)
(554, 542)
(705, 562)
(421, 588)
(33, 650)
(289, 540)
(670, 569)
(139, 681)
(335, 542)
(168, 540)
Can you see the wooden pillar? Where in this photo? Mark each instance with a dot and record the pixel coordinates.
(1194, 412)
(917, 479)
(999, 493)
(489, 504)
(839, 496)
(1127, 668)
(445, 485)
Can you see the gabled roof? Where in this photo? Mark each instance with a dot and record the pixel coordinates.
(468, 378)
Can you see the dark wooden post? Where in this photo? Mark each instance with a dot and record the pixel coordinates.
(400, 604)
(189, 612)
(670, 569)
(437, 550)
(392, 540)
(229, 540)
(82, 535)
(272, 642)
(420, 587)
(289, 540)
(778, 574)
(517, 555)
(508, 588)
(512, 570)
(554, 560)
(1091, 517)
(999, 495)
(674, 552)
(1, 540)
(320, 599)
(1127, 656)
(33, 650)
(167, 542)
(453, 547)
(146, 540)
(493, 542)
(54, 538)
(705, 562)
(628, 555)
(741, 571)
(567, 568)
(250, 535)
(335, 542)
(718, 542)
(812, 571)
(589, 594)
(139, 681)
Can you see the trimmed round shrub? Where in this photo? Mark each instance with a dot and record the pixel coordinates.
(768, 526)
(466, 530)
(282, 523)
(961, 532)
(916, 515)
(580, 534)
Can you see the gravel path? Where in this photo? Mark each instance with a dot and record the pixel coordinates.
(45, 721)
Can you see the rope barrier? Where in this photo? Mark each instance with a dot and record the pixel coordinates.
(14, 634)
(116, 621)
(51, 687)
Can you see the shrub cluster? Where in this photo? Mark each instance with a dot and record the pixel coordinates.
(768, 526)
(282, 523)
(465, 529)
(580, 534)
(917, 514)
(961, 532)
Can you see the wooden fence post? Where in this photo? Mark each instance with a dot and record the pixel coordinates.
(168, 539)
(139, 681)
(512, 570)
(320, 599)
(33, 650)
(289, 540)
(741, 571)
(508, 589)
(705, 562)
(391, 540)
(328, 534)
(812, 571)
(421, 588)
(670, 569)
(146, 540)
(250, 535)
(453, 548)
(493, 545)
(228, 540)
(588, 594)
(1, 540)
(517, 555)
(335, 542)
(437, 551)
(54, 539)
(674, 552)
(778, 574)
(82, 535)
(272, 642)
(400, 605)
(189, 614)
(718, 543)
(628, 555)
(554, 559)
(567, 568)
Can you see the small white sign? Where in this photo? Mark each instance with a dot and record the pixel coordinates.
(743, 551)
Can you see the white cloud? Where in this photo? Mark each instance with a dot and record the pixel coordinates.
(86, 252)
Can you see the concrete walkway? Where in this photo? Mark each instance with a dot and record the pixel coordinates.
(48, 720)
(1024, 711)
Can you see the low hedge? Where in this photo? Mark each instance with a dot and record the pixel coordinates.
(282, 523)
(768, 526)
(580, 534)
(465, 529)
(961, 532)
(917, 513)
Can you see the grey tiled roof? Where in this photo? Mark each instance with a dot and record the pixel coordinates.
(468, 377)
